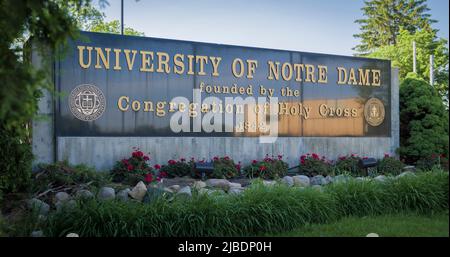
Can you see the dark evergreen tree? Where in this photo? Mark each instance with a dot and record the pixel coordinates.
(384, 18)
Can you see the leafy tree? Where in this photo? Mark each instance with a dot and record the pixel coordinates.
(423, 121)
(427, 44)
(113, 27)
(384, 18)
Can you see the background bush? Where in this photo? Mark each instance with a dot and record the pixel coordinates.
(313, 164)
(179, 168)
(350, 164)
(258, 210)
(390, 166)
(269, 168)
(133, 169)
(224, 168)
(15, 162)
(423, 121)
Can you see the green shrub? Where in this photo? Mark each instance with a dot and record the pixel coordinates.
(61, 174)
(423, 122)
(133, 169)
(15, 162)
(258, 210)
(350, 164)
(269, 168)
(224, 168)
(312, 165)
(177, 168)
(389, 166)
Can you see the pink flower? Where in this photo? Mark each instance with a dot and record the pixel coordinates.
(226, 158)
(157, 166)
(149, 178)
(280, 157)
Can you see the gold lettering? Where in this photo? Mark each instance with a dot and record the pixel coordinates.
(119, 103)
(215, 63)
(203, 60)
(274, 71)
(130, 63)
(323, 71)
(252, 65)
(376, 80)
(179, 64)
(298, 67)
(81, 56)
(101, 55)
(310, 73)
(147, 58)
(342, 79)
(352, 77)
(191, 64)
(117, 65)
(363, 77)
(283, 71)
(241, 67)
(163, 60)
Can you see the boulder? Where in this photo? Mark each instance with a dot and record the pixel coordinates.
(106, 193)
(301, 181)
(199, 184)
(372, 235)
(269, 182)
(186, 191)
(235, 191)
(37, 233)
(409, 168)
(62, 197)
(235, 185)
(174, 188)
(138, 192)
(42, 207)
(218, 183)
(288, 181)
(380, 178)
(328, 180)
(72, 235)
(406, 173)
(122, 195)
(84, 194)
(318, 180)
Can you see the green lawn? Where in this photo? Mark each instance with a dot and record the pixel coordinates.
(400, 225)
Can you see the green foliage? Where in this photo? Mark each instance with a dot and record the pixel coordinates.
(114, 28)
(423, 121)
(15, 162)
(269, 168)
(312, 165)
(133, 169)
(179, 168)
(224, 167)
(64, 175)
(390, 166)
(256, 211)
(350, 164)
(384, 18)
(427, 44)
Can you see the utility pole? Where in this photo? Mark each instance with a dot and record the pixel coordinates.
(121, 18)
(431, 70)
(414, 57)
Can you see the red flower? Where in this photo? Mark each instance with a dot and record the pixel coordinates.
(158, 179)
(226, 158)
(172, 162)
(163, 174)
(149, 178)
(280, 157)
(262, 168)
(182, 160)
(302, 161)
(386, 155)
(125, 161)
(216, 158)
(315, 156)
(130, 167)
(342, 158)
(303, 157)
(157, 166)
(254, 161)
(146, 158)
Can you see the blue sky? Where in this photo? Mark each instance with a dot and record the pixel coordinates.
(321, 26)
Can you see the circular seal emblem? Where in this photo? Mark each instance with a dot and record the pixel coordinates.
(87, 102)
(374, 112)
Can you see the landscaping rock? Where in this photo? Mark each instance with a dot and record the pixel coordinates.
(37, 233)
(328, 180)
(235, 185)
(363, 178)
(85, 194)
(318, 180)
(106, 193)
(218, 183)
(72, 235)
(65, 204)
(138, 192)
(39, 205)
(269, 182)
(122, 195)
(406, 173)
(372, 235)
(185, 191)
(288, 181)
(380, 178)
(168, 190)
(235, 191)
(153, 193)
(174, 188)
(62, 197)
(199, 184)
(409, 168)
(301, 181)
